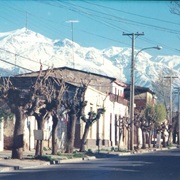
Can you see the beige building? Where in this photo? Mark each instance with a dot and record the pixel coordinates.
(102, 91)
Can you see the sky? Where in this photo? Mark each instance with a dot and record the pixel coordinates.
(98, 24)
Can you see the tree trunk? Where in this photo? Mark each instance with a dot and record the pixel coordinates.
(39, 148)
(150, 139)
(174, 137)
(84, 138)
(170, 137)
(137, 135)
(71, 125)
(129, 138)
(119, 142)
(164, 139)
(143, 139)
(17, 149)
(54, 134)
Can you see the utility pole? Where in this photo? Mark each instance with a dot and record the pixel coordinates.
(132, 36)
(170, 115)
(179, 117)
(178, 90)
(26, 20)
(72, 29)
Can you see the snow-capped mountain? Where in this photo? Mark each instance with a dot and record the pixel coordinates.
(25, 48)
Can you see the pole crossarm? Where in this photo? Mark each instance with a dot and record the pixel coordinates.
(135, 34)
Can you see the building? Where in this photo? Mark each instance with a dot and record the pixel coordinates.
(102, 91)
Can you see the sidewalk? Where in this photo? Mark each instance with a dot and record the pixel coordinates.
(8, 164)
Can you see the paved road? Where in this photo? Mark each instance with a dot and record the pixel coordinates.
(164, 165)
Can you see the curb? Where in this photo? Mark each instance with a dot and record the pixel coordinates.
(40, 165)
(12, 168)
(6, 169)
(77, 159)
(146, 151)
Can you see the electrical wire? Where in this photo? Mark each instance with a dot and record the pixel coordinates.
(15, 65)
(119, 19)
(134, 14)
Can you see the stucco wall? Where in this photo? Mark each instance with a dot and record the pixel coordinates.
(104, 129)
(1, 136)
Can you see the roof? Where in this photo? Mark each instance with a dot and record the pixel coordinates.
(139, 89)
(72, 69)
(120, 83)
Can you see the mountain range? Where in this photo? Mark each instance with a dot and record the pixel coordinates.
(23, 50)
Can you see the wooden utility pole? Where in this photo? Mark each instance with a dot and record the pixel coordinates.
(132, 36)
(170, 114)
(178, 90)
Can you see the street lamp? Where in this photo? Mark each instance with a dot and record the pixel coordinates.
(132, 93)
(156, 47)
(72, 23)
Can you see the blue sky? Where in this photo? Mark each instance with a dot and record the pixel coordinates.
(101, 23)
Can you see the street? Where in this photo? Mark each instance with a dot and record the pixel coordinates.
(161, 165)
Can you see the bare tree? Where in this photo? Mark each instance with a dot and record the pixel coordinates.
(24, 96)
(92, 117)
(20, 100)
(74, 103)
(53, 90)
(162, 88)
(56, 110)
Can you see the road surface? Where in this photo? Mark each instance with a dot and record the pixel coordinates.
(161, 165)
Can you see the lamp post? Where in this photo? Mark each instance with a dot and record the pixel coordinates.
(156, 47)
(72, 30)
(132, 93)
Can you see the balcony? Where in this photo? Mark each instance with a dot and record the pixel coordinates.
(118, 99)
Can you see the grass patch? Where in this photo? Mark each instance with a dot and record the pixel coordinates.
(45, 158)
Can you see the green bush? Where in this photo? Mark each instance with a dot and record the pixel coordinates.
(59, 153)
(89, 151)
(44, 148)
(45, 158)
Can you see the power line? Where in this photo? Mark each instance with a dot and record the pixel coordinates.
(15, 65)
(119, 19)
(22, 57)
(138, 15)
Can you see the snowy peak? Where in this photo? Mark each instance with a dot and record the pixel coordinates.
(26, 36)
(31, 48)
(66, 43)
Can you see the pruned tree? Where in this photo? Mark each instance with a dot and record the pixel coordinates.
(162, 88)
(74, 103)
(5, 112)
(56, 109)
(160, 117)
(150, 117)
(92, 117)
(42, 89)
(122, 123)
(137, 123)
(53, 89)
(19, 100)
(175, 126)
(23, 95)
